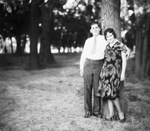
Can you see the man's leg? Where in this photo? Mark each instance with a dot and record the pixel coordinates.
(88, 88)
(88, 99)
(97, 100)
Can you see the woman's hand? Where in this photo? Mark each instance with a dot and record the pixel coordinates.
(81, 72)
(124, 64)
(122, 77)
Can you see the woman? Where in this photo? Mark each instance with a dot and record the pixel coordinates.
(113, 72)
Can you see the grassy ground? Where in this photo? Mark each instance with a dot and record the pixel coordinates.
(52, 99)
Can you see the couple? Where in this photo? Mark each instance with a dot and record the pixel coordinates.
(103, 64)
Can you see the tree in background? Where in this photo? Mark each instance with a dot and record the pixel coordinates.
(142, 27)
(46, 56)
(15, 20)
(139, 23)
(110, 16)
(43, 24)
(34, 33)
(52, 23)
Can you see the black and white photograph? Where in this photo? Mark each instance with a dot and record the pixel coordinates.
(74, 65)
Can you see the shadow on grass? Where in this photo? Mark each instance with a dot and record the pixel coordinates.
(11, 61)
(7, 106)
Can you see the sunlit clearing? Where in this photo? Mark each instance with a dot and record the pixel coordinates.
(45, 1)
(69, 4)
(40, 24)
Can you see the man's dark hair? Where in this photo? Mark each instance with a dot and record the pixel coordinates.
(93, 23)
(99, 25)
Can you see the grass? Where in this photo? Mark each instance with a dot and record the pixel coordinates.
(52, 99)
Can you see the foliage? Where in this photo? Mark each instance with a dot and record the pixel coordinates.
(69, 23)
(141, 28)
(15, 17)
(72, 21)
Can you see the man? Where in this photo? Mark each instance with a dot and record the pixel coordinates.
(91, 62)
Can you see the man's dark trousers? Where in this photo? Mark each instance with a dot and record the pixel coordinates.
(91, 76)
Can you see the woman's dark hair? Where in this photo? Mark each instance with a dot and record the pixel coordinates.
(109, 30)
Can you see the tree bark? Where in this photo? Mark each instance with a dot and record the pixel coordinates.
(145, 57)
(138, 55)
(140, 47)
(46, 56)
(34, 19)
(18, 50)
(110, 16)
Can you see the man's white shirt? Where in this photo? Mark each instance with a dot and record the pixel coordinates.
(99, 52)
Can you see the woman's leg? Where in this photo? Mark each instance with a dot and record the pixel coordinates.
(117, 105)
(111, 108)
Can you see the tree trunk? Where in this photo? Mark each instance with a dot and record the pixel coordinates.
(145, 58)
(46, 56)
(18, 50)
(147, 71)
(34, 19)
(142, 35)
(110, 16)
(148, 67)
(138, 55)
(12, 50)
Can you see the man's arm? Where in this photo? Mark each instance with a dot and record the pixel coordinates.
(82, 59)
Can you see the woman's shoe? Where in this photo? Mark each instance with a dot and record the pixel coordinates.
(97, 115)
(122, 119)
(109, 118)
(87, 115)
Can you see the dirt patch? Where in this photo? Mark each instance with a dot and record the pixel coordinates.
(52, 100)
